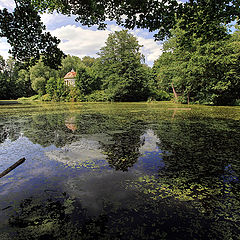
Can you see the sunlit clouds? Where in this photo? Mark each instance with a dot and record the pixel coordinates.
(78, 40)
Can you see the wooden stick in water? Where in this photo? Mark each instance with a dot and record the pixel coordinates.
(19, 162)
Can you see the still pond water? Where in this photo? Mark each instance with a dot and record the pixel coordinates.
(120, 171)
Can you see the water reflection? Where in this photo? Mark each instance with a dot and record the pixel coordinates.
(70, 123)
(124, 152)
(120, 174)
(151, 156)
(95, 190)
(85, 153)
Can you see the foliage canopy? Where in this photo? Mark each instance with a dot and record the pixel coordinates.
(123, 74)
(205, 72)
(198, 17)
(25, 33)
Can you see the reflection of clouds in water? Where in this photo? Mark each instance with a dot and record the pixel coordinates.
(229, 174)
(14, 184)
(36, 163)
(93, 189)
(77, 152)
(151, 158)
(150, 141)
(12, 151)
(96, 188)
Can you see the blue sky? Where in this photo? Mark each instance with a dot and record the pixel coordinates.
(81, 41)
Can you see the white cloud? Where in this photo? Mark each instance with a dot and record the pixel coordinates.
(55, 20)
(9, 4)
(151, 49)
(113, 27)
(48, 18)
(4, 47)
(82, 41)
(79, 41)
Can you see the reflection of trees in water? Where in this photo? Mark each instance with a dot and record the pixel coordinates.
(199, 152)
(64, 218)
(203, 165)
(47, 129)
(10, 128)
(124, 151)
(54, 218)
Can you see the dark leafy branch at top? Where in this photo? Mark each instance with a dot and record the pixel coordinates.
(154, 15)
(150, 14)
(199, 18)
(25, 33)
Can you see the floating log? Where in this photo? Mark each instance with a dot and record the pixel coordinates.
(19, 162)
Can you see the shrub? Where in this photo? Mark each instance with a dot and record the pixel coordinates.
(160, 95)
(32, 98)
(46, 97)
(97, 96)
(237, 103)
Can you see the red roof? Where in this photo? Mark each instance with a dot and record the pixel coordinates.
(71, 74)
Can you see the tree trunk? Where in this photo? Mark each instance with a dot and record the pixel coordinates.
(174, 92)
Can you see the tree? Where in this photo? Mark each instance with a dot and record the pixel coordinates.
(131, 13)
(23, 84)
(203, 73)
(199, 17)
(88, 61)
(3, 86)
(25, 33)
(39, 75)
(2, 64)
(85, 82)
(69, 63)
(124, 76)
(165, 72)
(51, 86)
(206, 20)
(56, 89)
(10, 72)
(150, 14)
(61, 91)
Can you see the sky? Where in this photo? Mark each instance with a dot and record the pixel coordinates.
(78, 40)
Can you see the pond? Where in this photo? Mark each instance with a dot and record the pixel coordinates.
(119, 171)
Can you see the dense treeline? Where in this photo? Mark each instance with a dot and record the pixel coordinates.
(201, 70)
(14, 81)
(196, 71)
(119, 74)
(200, 62)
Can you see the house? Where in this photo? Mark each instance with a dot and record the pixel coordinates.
(70, 78)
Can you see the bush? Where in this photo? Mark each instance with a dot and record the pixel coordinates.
(74, 95)
(97, 96)
(46, 97)
(160, 95)
(32, 98)
(237, 103)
